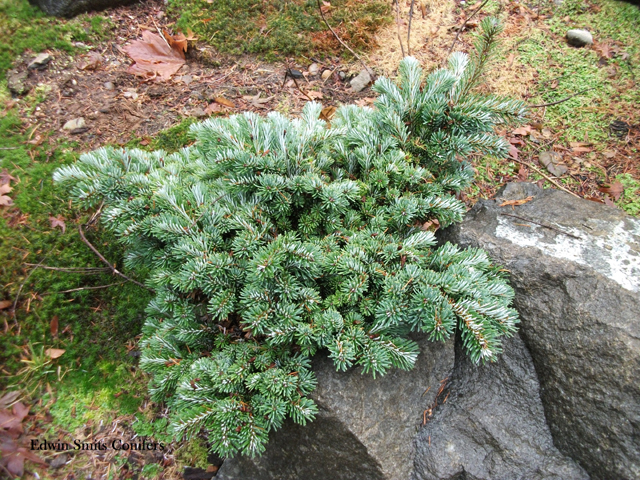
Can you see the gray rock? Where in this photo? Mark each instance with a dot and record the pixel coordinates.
(579, 37)
(552, 161)
(361, 81)
(365, 428)
(492, 425)
(109, 85)
(16, 81)
(578, 294)
(59, 461)
(74, 124)
(40, 62)
(198, 112)
(69, 8)
(314, 68)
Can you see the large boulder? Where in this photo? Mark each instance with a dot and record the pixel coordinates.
(69, 8)
(365, 429)
(575, 267)
(492, 426)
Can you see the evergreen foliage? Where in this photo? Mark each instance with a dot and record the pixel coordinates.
(272, 238)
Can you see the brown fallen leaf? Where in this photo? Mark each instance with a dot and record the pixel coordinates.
(313, 95)
(258, 102)
(5, 201)
(225, 102)
(5, 304)
(58, 222)
(608, 201)
(153, 57)
(177, 41)
(524, 130)
(513, 151)
(515, 203)
(213, 108)
(327, 113)
(13, 457)
(54, 353)
(92, 61)
(53, 325)
(615, 190)
(5, 178)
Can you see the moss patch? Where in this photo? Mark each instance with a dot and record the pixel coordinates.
(276, 28)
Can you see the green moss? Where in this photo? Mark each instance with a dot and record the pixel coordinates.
(586, 116)
(630, 199)
(25, 27)
(276, 28)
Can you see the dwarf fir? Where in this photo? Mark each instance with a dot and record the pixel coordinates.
(272, 238)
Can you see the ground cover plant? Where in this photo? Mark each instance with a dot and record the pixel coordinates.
(272, 238)
(276, 29)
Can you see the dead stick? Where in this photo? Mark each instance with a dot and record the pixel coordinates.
(114, 270)
(92, 288)
(542, 225)
(409, 29)
(342, 43)
(464, 25)
(15, 302)
(85, 270)
(559, 101)
(398, 25)
(543, 175)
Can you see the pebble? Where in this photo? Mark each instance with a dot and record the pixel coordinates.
(59, 461)
(40, 62)
(326, 74)
(16, 82)
(342, 75)
(109, 85)
(198, 112)
(130, 93)
(74, 124)
(314, 68)
(579, 37)
(361, 81)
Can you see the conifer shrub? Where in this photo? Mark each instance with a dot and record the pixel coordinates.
(272, 238)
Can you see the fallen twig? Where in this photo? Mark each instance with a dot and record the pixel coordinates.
(15, 302)
(559, 101)
(542, 225)
(83, 270)
(342, 43)
(539, 172)
(462, 28)
(92, 288)
(113, 269)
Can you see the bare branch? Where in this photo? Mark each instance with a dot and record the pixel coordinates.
(344, 44)
(409, 29)
(539, 172)
(113, 269)
(398, 25)
(462, 28)
(560, 101)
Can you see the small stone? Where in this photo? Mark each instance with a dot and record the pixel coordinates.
(361, 81)
(160, 15)
(187, 79)
(314, 68)
(74, 124)
(40, 62)
(326, 74)
(342, 75)
(293, 73)
(109, 85)
(198, 113)
(59, 461)
(16, 82)
(579, 37)
(130, 93)
(552, 162)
